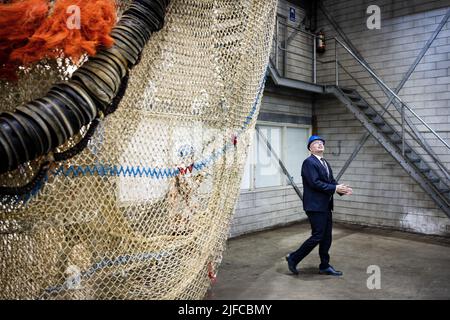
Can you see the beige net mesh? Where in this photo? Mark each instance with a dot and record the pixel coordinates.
(144, 211)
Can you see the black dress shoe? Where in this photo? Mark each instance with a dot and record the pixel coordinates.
(330, 271)
(291, 265)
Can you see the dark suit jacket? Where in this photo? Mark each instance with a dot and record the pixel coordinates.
(318, 188)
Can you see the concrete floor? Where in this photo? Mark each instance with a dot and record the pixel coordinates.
(411, 266)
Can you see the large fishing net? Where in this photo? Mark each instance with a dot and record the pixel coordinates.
(144, 210)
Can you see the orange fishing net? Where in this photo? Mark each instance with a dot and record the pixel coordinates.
(74, 27)
(18, 21)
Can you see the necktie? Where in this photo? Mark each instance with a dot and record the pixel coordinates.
(326, 167)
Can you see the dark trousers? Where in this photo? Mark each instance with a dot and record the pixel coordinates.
(321, 225)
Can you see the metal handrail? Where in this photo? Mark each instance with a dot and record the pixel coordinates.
(297, 29)
(278, 47)
(407, 128)
(378, 79)
(292, 52)
(404, 104)
(371, 96)
(431, 153)
(398, 123)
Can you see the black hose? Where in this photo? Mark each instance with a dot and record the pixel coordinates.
(41, 125)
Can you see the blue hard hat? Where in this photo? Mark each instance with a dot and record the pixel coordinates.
(314, 138)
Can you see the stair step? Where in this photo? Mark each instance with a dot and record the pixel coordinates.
(354, 95)
(370, 113)
(413, 158)
(444, 190)
(432, 178)
(348, 91)
(387, 130)
(395, 138)
(378, 121)
(354, 98)
(361, 104)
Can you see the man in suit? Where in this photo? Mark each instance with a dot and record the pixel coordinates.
(319, 187)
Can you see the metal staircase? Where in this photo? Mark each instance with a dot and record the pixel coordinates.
(394, 143)
(395, 130)
(397, 133)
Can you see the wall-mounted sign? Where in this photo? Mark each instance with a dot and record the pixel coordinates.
(292, 14)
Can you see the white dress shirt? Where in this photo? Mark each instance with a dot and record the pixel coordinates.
(323, 163)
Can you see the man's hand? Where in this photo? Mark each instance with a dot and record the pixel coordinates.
(349, 191)
(342, 189)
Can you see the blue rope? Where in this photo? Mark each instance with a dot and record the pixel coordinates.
(158, 173)
(107, 170)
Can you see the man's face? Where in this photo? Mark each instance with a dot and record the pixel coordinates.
(317, 147)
